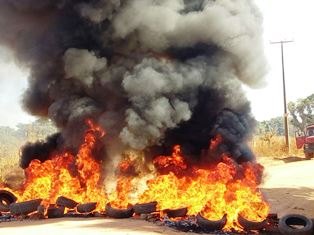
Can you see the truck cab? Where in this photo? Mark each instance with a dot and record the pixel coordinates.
(305, 140)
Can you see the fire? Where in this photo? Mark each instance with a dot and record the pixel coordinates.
(225, 188)
(174, 163)
(214, 189)
(77, 177)
(120, 198)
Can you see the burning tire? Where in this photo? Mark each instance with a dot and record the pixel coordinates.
(251, 225)
(174, 213)
(145, 208)
(309, 155)
(6, 198)
(66, 202)
(55, 212)
(211, 225)
(119, 213)
(86, 207)
(287, 225)
(24, 208)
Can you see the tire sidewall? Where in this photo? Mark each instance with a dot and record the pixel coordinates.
(287, 230)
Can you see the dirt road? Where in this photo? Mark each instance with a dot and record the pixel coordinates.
(288, 186)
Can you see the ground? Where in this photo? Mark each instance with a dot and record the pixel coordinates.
(288, 186)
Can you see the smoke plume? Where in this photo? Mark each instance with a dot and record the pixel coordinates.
(152, 73)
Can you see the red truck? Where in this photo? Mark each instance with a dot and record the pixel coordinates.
(305, 140)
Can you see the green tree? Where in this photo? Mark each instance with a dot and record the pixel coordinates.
(302, 112)
(273, 126)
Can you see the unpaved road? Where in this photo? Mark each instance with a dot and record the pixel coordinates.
(289, 188)
(72, 226)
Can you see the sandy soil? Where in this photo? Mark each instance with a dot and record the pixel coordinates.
(288, 186)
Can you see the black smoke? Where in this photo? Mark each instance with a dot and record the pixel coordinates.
(152, 73)
(40, 150)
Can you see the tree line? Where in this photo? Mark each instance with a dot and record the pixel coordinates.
(301, 114)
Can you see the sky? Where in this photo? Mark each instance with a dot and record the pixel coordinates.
(283, 20)
(13, 82)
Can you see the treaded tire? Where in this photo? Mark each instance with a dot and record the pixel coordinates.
(251, 225)
(294, 219)
(145, 208)
(6, 198)
(66, 202)
(86, 207)
(119, 213)
(174, 213)
(55, 212)
(24, 208)
(211, 225)
(309, 155)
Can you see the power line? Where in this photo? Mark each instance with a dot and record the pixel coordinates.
(284, 91)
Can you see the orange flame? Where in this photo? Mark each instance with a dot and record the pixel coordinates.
(225, 188)
(174, 163)
(77, 177)
(213, 190)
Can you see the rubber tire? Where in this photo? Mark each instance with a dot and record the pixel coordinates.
(174, 213)
(86, 207)
(248, 225)
(295, 219)
(8, 198)
(66, 202)
(210, 225)
(24, 208)
(309, 155)
(145, 208)
(119, 213)
(55, 212)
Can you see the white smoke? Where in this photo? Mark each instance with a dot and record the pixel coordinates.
(82, 64)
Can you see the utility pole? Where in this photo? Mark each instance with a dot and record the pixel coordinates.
(284, 93)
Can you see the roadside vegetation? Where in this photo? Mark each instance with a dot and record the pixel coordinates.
(11, 139)
(269, 145)
(269, 140)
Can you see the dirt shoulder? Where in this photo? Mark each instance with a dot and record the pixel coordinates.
(289, 186)
(99, 226)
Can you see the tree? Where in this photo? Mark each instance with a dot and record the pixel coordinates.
(302, 112)
(273, 126)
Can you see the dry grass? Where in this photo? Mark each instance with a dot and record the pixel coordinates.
(274, 146)
(8, 163)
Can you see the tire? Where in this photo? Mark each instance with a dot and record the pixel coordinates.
(145, 208)
(6, 198)
(119, 213)
(174, 213)
(86, 207)
(251, 225)
(24, 208)
(66, 202)
(286, 222)
(55, 212)
(309, 155)
(210, 225)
